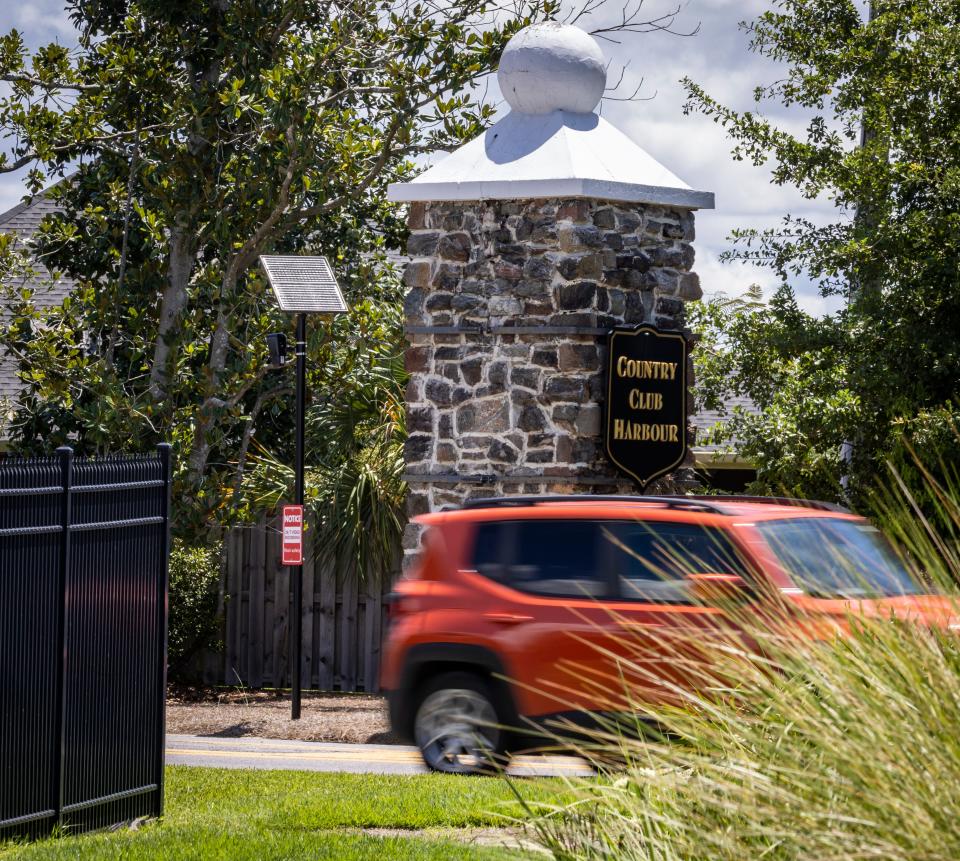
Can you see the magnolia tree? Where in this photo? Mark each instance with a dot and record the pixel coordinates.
(197, 136)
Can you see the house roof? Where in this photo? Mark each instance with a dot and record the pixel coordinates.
(23, 220)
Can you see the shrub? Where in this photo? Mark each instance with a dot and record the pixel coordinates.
(194, 603)
(839, 749)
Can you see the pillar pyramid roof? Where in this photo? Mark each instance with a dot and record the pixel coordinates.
(552, 143)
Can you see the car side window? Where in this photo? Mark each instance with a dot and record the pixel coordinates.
(652, 560)
(544, 557)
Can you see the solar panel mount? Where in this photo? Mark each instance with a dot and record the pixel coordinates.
(304, 284)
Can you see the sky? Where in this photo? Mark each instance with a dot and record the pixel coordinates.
(693, 147)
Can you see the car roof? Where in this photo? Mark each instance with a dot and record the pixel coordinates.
(688, 508)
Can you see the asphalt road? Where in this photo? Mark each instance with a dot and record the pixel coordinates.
(324, 756)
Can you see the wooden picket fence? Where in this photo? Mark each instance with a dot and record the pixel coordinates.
(343, 622)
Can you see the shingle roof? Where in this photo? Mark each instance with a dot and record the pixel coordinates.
(24, 221)
(705, 420)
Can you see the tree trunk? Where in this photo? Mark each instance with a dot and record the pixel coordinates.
(183, 243)
(179, 267)
(213, 403)
(861, 291)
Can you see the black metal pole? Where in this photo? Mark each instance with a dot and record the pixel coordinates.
(65, 455)
(296, 571)
(164, 452)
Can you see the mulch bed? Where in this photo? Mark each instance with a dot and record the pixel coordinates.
(232, 713)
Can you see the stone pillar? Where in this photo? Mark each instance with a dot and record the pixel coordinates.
(509, 302)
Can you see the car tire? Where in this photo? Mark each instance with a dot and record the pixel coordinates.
(457, 726)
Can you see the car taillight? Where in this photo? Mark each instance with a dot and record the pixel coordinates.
(399, 604)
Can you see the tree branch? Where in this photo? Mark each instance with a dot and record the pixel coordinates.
(23, 161)
(50, 85)
(364, 183)
(251, 247)
(262, 400)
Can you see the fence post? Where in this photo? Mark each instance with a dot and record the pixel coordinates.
(163, 453)
(65, 455)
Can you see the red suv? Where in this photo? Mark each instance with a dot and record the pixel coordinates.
(518, 607)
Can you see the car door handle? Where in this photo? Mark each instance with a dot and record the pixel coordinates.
(507, 618)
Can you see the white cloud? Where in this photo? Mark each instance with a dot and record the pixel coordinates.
(731, 279)
(696, 148)
(11, 190)
(41, 22)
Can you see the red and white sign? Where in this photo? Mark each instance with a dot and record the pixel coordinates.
(293, 535)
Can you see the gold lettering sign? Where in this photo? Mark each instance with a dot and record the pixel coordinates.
(646, 410)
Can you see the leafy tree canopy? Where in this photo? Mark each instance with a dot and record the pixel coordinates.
(207, 133)
(199, 135)
(883, 143)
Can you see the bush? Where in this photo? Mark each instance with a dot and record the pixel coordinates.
(839, 749)
(194, 598)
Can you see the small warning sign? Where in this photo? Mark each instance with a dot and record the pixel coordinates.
(292, 535)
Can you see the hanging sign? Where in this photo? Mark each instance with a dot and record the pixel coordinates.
(292, 535)
(646, 412)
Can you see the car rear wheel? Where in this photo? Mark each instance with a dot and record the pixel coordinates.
(456, 725)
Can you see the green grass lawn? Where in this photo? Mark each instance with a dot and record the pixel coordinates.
(234, 814)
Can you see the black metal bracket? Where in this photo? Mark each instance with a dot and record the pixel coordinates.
(487, 479)
(446, 478)
(484, 330)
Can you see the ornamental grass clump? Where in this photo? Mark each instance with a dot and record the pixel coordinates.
(798, 742)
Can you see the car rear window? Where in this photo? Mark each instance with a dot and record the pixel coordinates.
(488, 547)
(545, 557)
(630, 560)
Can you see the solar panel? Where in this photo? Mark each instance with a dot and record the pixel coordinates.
(304, 284)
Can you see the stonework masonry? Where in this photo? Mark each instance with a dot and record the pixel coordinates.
(493, 411)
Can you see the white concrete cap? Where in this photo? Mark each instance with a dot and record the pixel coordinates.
(551, 144)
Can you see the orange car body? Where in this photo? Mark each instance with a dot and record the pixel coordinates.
(547, 654)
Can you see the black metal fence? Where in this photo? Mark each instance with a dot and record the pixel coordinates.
(84, 546)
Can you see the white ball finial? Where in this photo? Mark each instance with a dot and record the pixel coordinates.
(548, 67)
